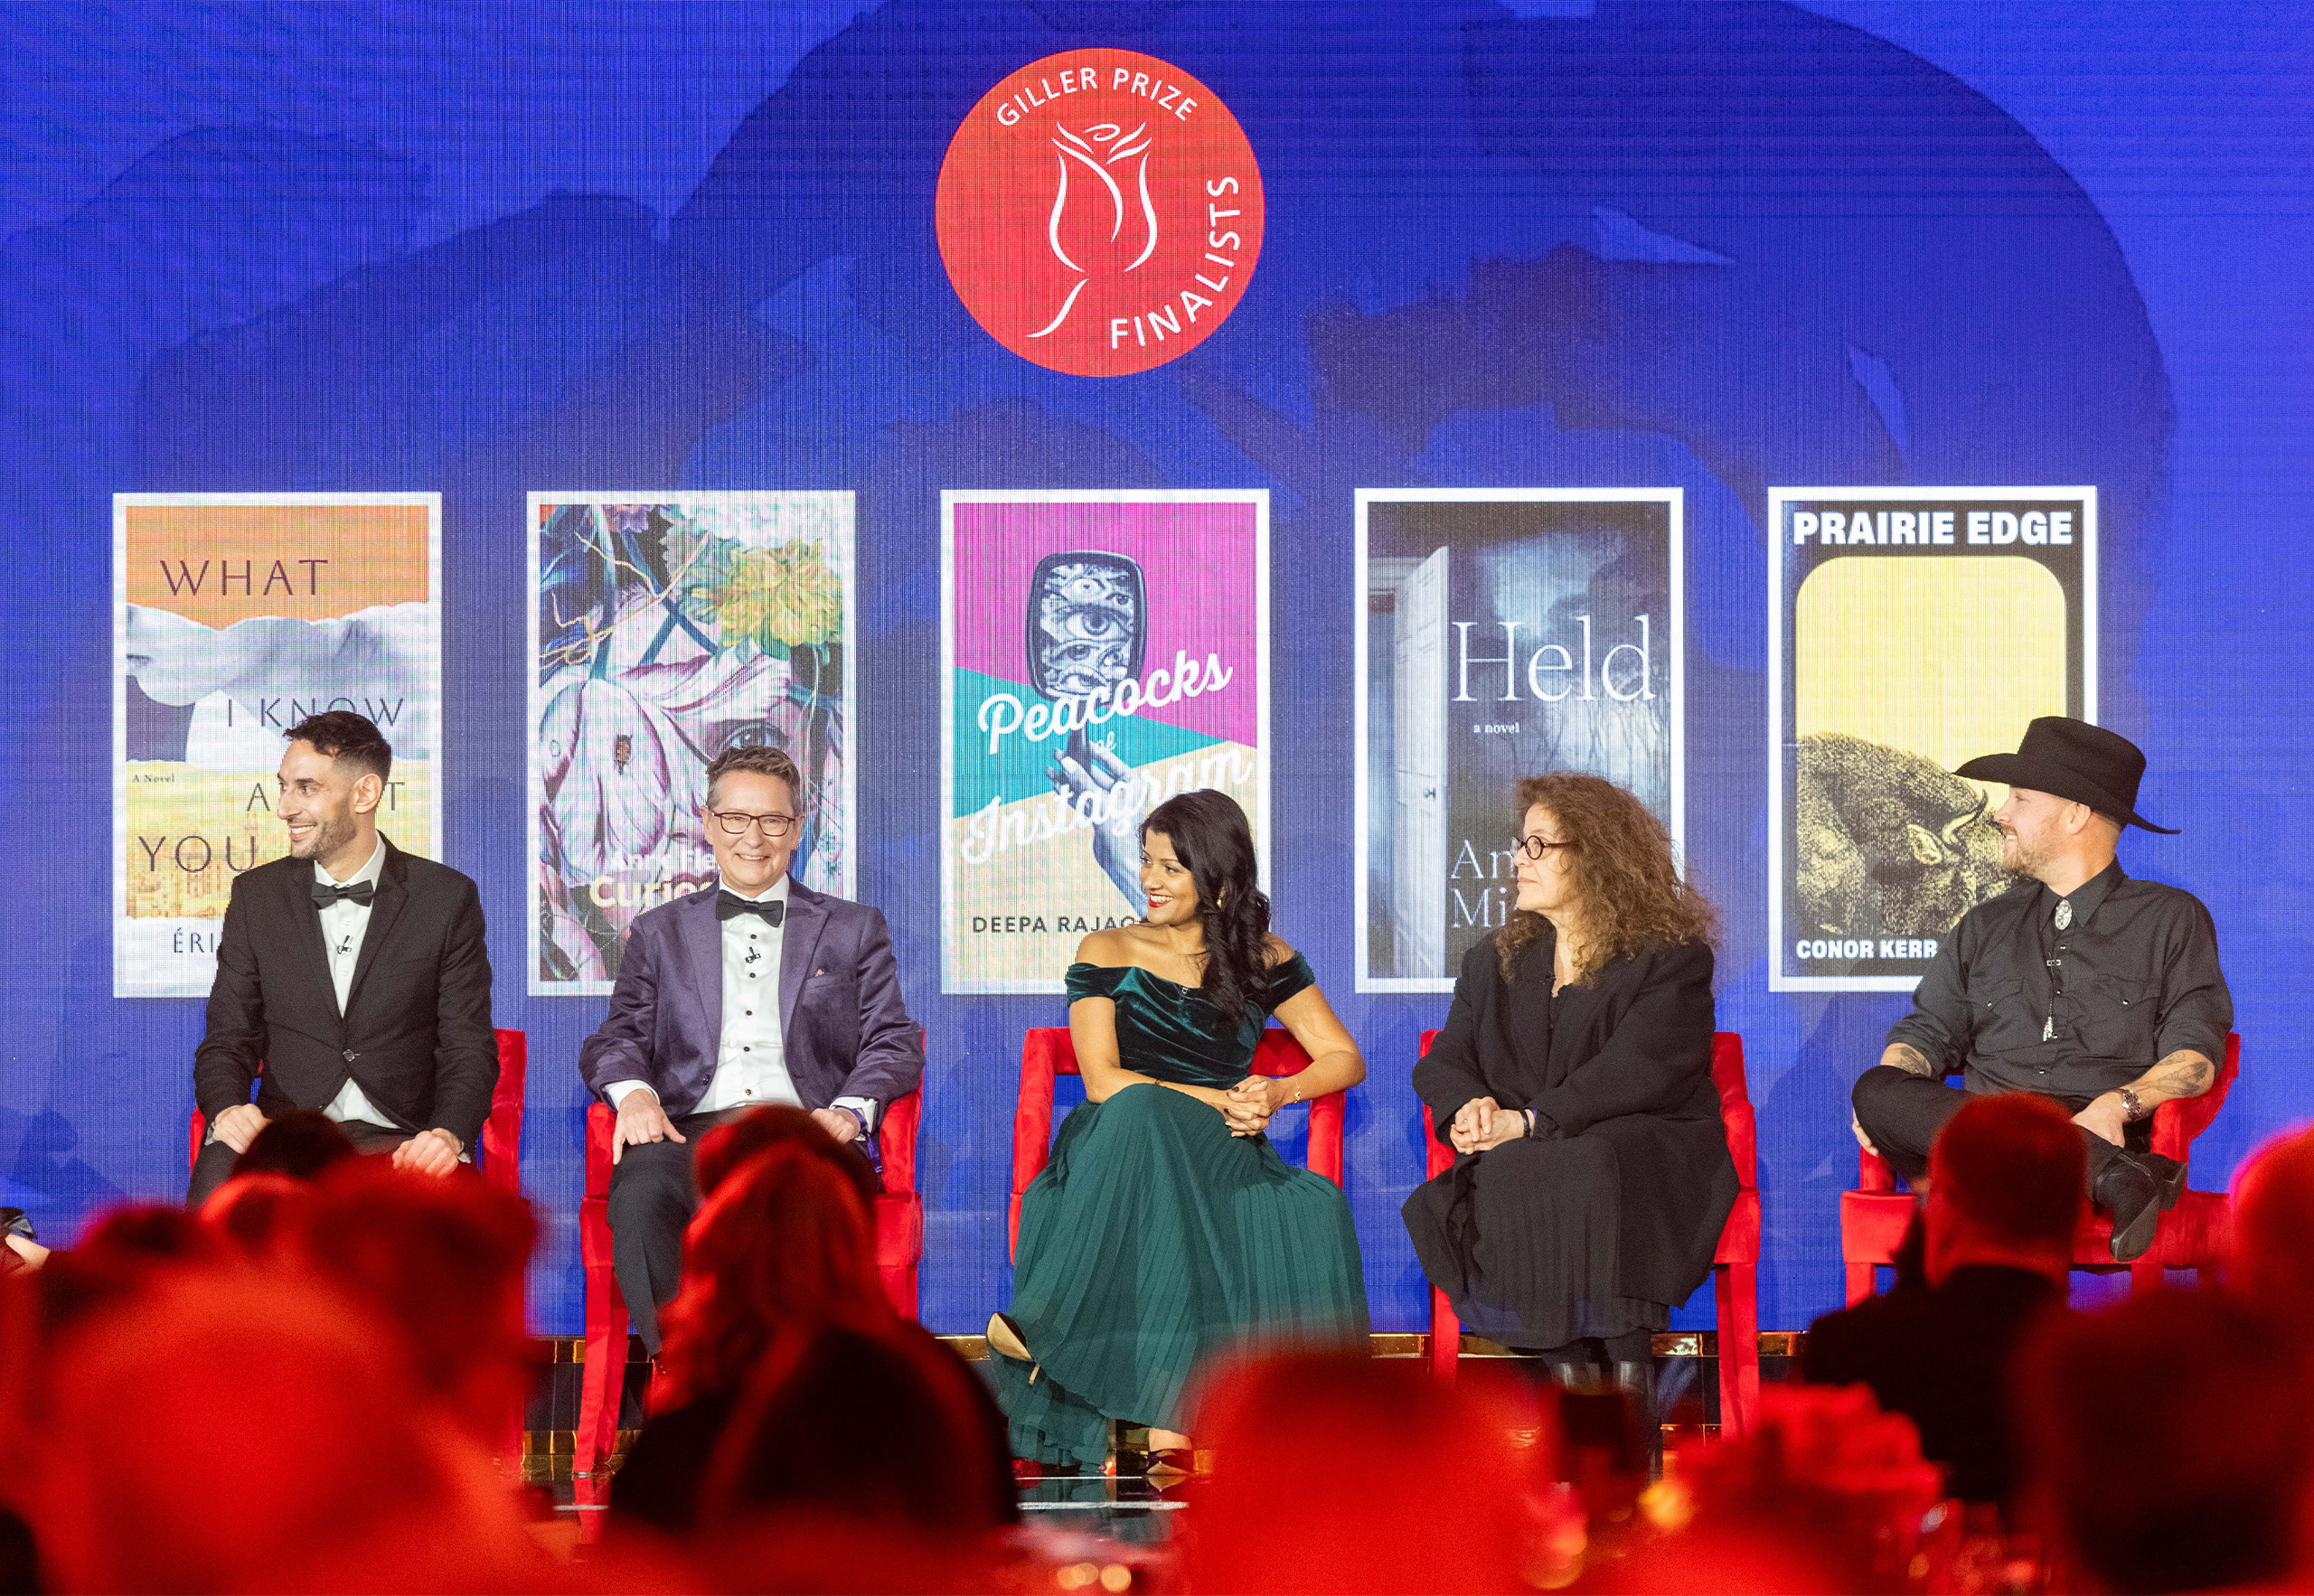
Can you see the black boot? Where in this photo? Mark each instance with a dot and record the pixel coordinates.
(2168, 1174)
(2131, 1193)
(1635, 1378)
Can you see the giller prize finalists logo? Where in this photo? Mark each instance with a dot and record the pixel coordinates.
(1099, 212)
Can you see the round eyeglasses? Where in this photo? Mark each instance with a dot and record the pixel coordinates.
(1535, 847)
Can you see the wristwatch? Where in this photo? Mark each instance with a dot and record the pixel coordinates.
(2131, 1109)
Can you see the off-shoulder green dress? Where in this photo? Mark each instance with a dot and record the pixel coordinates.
(1156, 1239)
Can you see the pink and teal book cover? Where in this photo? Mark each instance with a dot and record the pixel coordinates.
(1102, 652)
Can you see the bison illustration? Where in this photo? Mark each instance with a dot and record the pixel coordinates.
(1889, 844)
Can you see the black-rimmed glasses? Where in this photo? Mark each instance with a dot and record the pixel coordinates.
(735, 822)
(1535, 847)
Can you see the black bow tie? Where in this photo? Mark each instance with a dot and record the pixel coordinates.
(361, 892)
(730, 905)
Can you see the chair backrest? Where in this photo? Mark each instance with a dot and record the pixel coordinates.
(1735, 1106)
(1047, 1053)
(2176, 1122)
(1735, 1111)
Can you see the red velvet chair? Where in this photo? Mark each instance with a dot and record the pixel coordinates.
(498, 1157)
(1874, 1216)
(1046, 1052)
(1735, 1266)
(899, 1248)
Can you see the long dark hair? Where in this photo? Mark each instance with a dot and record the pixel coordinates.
(1210, 838)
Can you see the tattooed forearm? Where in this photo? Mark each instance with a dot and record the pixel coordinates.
(1904, 1056)
(2183, 1073)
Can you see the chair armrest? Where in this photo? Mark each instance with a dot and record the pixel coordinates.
(601, 1120)
(1872, 1172)
(1439, 1158)
(1324, 1156)
(2177, 1122)
(896, 1140)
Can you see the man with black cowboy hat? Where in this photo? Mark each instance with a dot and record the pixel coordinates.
(2078, 983)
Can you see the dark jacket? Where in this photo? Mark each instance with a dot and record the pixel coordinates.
(1941, 1356)
(416, 1035)
(1630, 1062)
(842, 1023)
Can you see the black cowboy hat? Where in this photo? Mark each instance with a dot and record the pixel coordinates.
(2073, 759)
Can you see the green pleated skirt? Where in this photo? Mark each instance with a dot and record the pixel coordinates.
(1154, 1240)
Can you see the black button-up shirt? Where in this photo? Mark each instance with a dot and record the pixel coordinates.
(2074, 1013)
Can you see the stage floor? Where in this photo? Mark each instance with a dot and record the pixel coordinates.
(1128, 1509)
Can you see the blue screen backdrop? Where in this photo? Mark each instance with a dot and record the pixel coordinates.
(490, 248)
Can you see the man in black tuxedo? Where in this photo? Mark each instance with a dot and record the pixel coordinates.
(2004, 1194)
(351, 973)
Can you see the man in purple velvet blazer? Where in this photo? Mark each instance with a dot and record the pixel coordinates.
(760, 992)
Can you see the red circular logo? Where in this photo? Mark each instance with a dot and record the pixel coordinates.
(1099, 212)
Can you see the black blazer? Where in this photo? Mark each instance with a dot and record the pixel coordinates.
(1940, 1355)
(1630, 1062)
(416, 1035)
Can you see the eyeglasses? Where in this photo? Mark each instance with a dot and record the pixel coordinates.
(735, 822)
(1534, 847)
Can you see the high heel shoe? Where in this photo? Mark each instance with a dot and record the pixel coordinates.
(1004, 1336)
(1004, 1339)
(1169, 1463)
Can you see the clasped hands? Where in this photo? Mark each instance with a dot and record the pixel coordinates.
(1248, 1104)
(1482, 1123)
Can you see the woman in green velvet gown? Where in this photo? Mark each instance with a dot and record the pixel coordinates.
(1166, 1228)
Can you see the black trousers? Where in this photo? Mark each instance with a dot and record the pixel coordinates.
(214, 1167)
(1902, 1112)
(652, 1199)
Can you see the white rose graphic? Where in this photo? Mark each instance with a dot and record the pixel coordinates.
(1087, 150)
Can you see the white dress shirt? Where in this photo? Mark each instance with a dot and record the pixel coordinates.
(751, 1055)
(344, 925)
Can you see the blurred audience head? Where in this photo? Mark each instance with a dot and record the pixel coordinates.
(874, 1422)
(2166, 1442)
(438, 1263)
(1334, 1471)
(118, 1256)
(300, 1144)
(783, 1243)
(2271, 1265)
(1825, 1493)
(266, 1441)
(252, 1211)
(722, 1150)
(2007, 1176)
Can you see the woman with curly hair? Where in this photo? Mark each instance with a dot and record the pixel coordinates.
(1166, 1227)
(1573, 1078)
